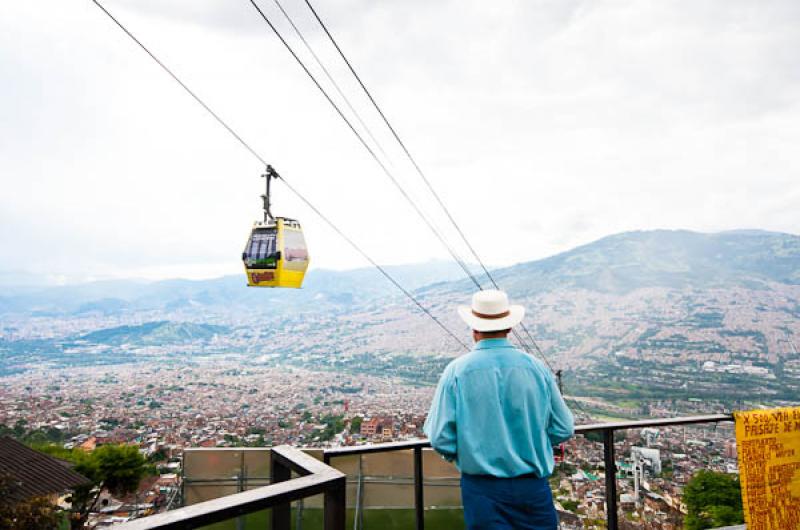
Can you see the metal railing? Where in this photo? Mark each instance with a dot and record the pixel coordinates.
(315, 478)
(321, 477)
(606, 429)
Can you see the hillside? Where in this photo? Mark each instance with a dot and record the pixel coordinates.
(642, 314)
(662, 258)
(322, 289)
(729, 281)
(616, 264)
(638, 310)
(154, 333)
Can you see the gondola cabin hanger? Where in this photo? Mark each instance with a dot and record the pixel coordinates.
(276, 254)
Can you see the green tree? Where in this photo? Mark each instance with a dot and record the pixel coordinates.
(570, 505)
(117, 468)
(43, 436)
(355, 425)
(713, 499)
(333, 425)
(158, 456)
(55, 451)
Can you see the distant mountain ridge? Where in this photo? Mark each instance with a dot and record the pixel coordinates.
(615, 264)
(661, 314)
(663, 258)
(321, 289)
(647, 307)
(154, 333)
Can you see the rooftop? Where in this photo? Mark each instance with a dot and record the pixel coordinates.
(35, 474)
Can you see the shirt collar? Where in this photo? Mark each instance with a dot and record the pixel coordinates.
(487, 344)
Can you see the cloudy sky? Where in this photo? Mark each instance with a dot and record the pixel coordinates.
(543, 124)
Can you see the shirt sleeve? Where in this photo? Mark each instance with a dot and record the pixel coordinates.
(440, 426)
(561, 426)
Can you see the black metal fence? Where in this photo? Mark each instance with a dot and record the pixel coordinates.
(321, 477)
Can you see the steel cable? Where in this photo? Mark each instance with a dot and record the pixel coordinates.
(426, 181)
(331, 79)
(366, 146)
(330, 223)
(408, 154)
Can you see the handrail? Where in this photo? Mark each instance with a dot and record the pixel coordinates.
(579, 429)
(653, 422)
(319, 477)
(607, 430)
(315, 478)
(335, 452)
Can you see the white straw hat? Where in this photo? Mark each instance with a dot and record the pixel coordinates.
(491, 311)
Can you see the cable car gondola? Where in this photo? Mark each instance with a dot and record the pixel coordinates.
(276, 253)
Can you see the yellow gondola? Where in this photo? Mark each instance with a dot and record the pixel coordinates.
(276, 253)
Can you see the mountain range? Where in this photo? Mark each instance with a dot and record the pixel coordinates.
(637, 303)
(321, 288)
(616, 264)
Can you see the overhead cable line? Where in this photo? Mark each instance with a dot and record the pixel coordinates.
(288, 185)
(408, 154)
(399, 140)
(331, 79)
(424, 177)
(383, 167)
(181, 83)
(460, 261)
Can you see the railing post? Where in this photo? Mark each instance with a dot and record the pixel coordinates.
(335, 508)
(335, 501)
(281, 514)
(358, 523)
(611, 478)
(419, 501)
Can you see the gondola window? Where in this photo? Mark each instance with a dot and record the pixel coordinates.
(261, 251)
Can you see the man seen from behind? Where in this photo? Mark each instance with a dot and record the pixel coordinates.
(497, 413)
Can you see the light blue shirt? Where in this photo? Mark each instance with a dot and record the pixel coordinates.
(497, 411)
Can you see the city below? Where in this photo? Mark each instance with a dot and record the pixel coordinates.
(171, 366)
(218, 403)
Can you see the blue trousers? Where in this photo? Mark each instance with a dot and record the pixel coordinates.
(507, 503)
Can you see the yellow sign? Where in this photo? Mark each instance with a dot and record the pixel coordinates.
(768, 443)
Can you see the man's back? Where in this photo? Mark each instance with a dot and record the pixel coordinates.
(498, 411)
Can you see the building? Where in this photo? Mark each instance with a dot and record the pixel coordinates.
(36, 474)
(378, 428)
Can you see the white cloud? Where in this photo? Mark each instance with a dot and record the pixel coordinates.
(543, 125)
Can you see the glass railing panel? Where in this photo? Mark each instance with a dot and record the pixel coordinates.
(256, 467)
(347, 465)
(653, 467)
(380, 489)
(217, 463)
(196, 492)
(578, 480)
(212, 473)
(441, 492)
(443, 519)
(254, 521)
(388, 480)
